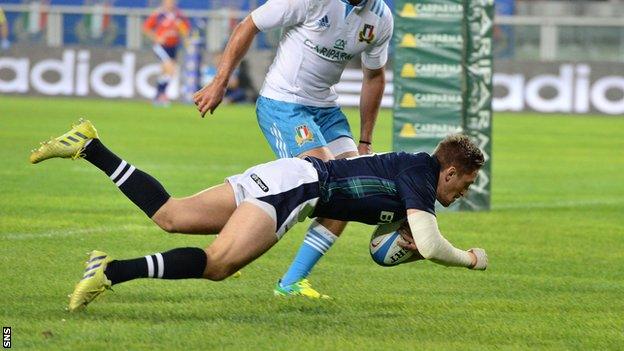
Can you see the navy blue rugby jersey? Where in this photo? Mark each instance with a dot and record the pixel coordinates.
(378, 188)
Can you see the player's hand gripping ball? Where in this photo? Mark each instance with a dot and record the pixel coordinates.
(384, 247)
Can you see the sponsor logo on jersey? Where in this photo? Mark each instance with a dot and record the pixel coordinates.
(332, 54)
(303, 134)
(340, 44)
(386, 216)
(260, 183)
(367, 33)
(323, 22)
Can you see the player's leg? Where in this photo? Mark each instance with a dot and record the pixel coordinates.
(271, 197)
(249, 233)
(205, 212)
(167, 57)
(290, 129)
(322, 232)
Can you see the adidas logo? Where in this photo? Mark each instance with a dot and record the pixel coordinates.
(324, 22)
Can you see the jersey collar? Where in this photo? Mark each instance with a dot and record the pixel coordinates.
(358, 6)
(436, 168)
(349, 7)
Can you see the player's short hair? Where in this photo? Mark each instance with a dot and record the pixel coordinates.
(459, 151)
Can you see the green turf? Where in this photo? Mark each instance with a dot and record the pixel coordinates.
(555, 241)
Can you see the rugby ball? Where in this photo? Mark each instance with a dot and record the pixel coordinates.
(384, 248)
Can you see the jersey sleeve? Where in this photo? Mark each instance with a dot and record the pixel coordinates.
(376, 55)
(416, 190)
(150, 22)
(2, 17)
(279, 13)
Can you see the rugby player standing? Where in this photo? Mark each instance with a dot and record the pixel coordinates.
(297, 110)
(166, 27)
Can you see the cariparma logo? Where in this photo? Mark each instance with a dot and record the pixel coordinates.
(366, 34)
(303, 134)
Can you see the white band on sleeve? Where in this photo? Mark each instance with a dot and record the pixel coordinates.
(432, 245)
(342, 145)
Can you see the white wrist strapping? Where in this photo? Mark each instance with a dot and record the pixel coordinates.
(432, 245)
(482, 259)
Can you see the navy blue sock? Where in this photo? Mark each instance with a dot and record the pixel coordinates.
(181, 263)
(141, 188)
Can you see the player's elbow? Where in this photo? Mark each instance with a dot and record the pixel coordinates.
(246, 26)
(428, 252)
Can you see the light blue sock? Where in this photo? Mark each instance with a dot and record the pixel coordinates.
(317, 241)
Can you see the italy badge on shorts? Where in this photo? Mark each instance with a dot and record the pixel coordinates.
(303, 134)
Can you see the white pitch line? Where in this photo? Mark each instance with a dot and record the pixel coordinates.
(558, 204)
(60, 233)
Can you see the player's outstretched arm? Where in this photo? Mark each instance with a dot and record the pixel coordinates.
(433, 246)
(373, 86)
(210, 96)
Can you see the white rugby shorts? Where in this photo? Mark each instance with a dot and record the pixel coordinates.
(287, 189)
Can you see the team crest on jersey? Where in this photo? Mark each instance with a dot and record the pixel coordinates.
(367, 33)
(303, 134)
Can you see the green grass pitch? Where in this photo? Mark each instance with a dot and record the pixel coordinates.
(555, 238)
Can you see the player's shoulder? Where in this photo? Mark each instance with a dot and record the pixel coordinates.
(413, 157)
(317, 6)
(380, 9)
(414, 162)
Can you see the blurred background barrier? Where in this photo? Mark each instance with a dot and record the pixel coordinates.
(539, 47)
(563, 87)
(86, 71)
